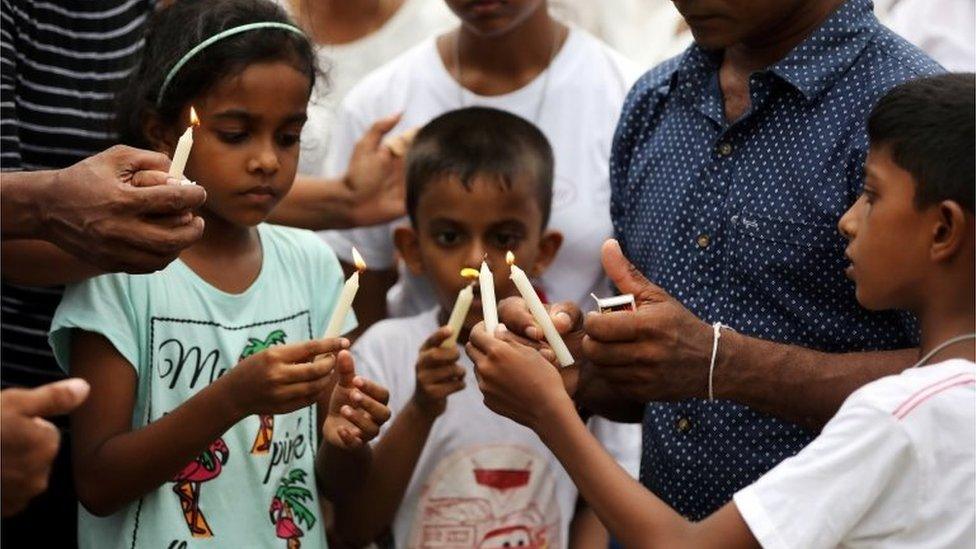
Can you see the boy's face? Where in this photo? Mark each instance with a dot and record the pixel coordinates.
(458, 228)
(245, 151)
(889, 237)
(494, 17)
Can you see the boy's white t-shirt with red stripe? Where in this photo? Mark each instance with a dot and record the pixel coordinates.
(896, 467)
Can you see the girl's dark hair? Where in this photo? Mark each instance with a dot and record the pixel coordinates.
(175, 30)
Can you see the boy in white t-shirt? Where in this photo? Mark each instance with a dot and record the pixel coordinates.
(479, 184)
(896, 467)
(514, 57)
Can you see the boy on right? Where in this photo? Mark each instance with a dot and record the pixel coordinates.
(896, 466)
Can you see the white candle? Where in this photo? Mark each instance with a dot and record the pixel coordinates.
(458, 314)
(344, 303)
(183, 147)
(540, 314)
(489, 309)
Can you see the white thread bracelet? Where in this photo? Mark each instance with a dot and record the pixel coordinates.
(716, 334)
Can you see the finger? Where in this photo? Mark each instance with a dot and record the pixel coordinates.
(346, 369)
(436, 338)
(375, 408)
(567, 316)
(438, 356)
(507, 335)
(170, 222)
(52, 399)
(320, 368)
(307, 351)
(158, 240)
(476, 356)
(361, 419)
(513, 312)
(152, 178)
(613, 327)
(372, 389)
(612, 354)
(371, 139)
(350, 437)
(626, 276)
(140, 159)
(167, 199)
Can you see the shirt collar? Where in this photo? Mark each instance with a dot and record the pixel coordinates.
(811, 67)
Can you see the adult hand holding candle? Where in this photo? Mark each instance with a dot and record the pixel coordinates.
(461, 307)
(539, 312)
(183, 146)
(344, 303)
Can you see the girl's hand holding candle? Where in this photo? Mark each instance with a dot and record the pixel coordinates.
(183, 146)
(344, 303)
(539, 312)
(461, 307)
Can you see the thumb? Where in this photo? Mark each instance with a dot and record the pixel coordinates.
(53, 399)
(626, 277)
(346, 369)
(371, 139)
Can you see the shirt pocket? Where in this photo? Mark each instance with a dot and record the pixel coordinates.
(791, 268)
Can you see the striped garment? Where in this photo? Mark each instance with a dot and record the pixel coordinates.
(60, 64)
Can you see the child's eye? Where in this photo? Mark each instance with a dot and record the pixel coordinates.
(288, 139)
(869, 196)
(505, 241)
(447, 238)
(231, 136)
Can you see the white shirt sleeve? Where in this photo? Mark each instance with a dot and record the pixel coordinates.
(374, 243)
(858, 480)
(941, 28)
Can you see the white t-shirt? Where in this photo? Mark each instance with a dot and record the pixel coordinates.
(944, 29)
(347, 64)
(482, 480)
(896, 467)
(581, 105)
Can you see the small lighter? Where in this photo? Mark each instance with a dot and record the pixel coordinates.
(616, 303)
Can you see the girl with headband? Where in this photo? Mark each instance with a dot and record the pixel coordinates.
(209, 387)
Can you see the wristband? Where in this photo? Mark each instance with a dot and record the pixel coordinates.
(716, 334)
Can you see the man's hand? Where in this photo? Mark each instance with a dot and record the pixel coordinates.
(375, 178)
(515, 379)
(659, 352)
(29, 443)
(438, 374)
(117, 211)
(357, 409)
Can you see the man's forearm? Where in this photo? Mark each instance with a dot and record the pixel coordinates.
(22, 203)
(793, 383)
(40, 263)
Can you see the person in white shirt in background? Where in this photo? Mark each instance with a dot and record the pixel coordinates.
(944, 29)
(511, 56)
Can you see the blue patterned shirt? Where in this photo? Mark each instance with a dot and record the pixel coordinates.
(738, 221)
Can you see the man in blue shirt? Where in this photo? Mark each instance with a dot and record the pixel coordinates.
(731, 165)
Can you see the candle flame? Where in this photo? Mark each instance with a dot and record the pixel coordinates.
(358, 260)
(510, 258)
(194, 119)
(469, 273)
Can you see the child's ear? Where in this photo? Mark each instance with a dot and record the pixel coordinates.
(408, 244)
(549, 244)
(951, 232)
(160, 136)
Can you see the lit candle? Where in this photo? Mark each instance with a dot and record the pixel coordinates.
(539, 312)
(342, 307)
(461, 307)
(489, 309)
(183, 147)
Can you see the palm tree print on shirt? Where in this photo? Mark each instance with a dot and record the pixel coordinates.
(288, 508)
(262, 442)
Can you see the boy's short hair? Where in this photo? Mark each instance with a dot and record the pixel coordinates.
(479, 141)
(929, 127)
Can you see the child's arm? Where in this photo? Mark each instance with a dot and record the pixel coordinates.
(115, 464)
(364, 513)
(520, 384)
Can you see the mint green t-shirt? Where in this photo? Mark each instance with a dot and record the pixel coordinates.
(255, 485)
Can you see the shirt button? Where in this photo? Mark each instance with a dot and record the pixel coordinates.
(703, 241)
(683, 425)
(725, 148)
